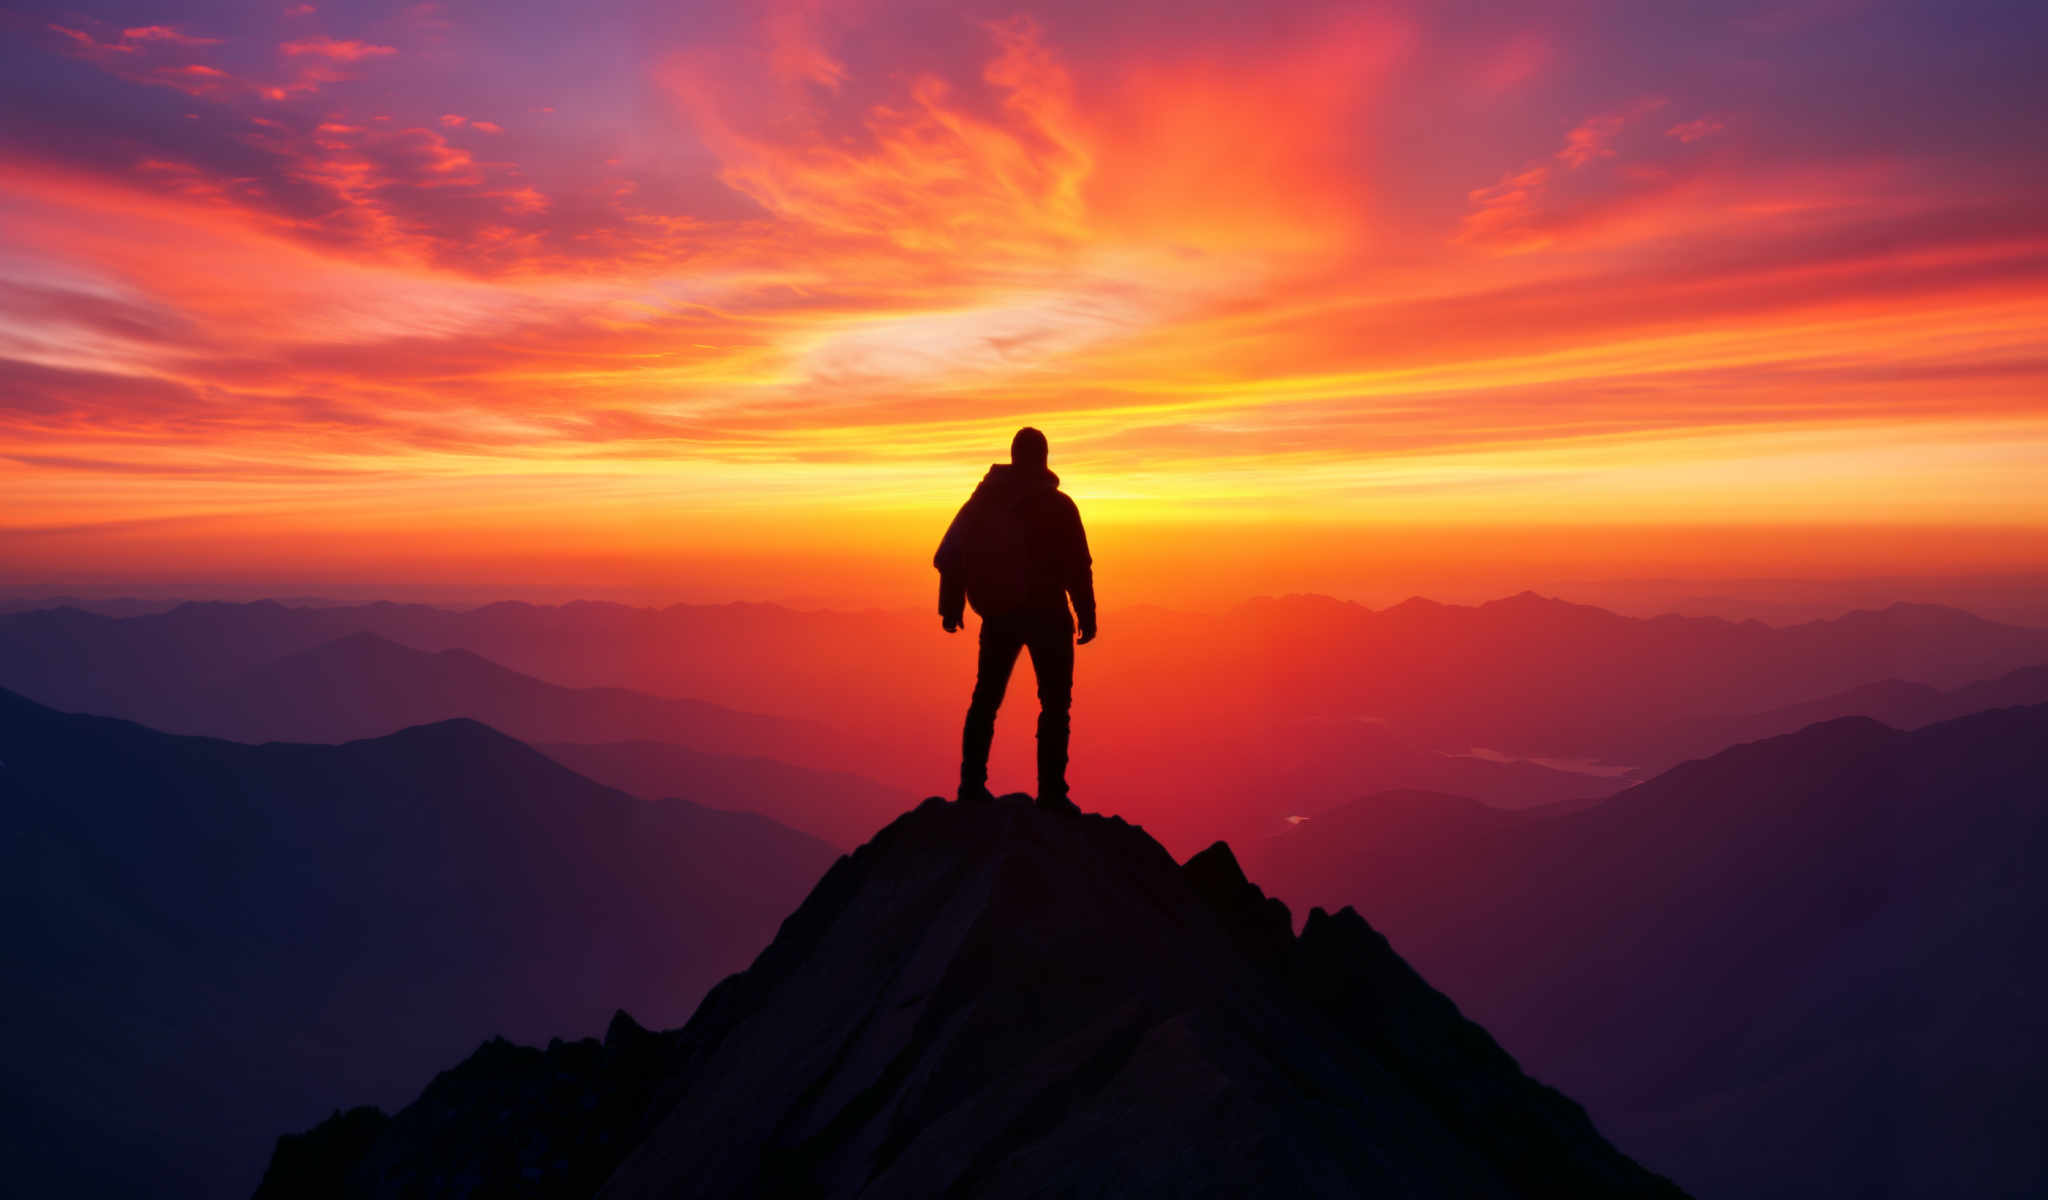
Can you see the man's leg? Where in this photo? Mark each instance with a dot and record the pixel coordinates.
(1052, 660)
(998, 657)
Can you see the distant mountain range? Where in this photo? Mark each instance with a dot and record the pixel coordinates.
(1804, 966)
(993, 1001)
(1536, 677)
(1894, 702)
(1196, 723)
(362, 685)
(207, 939)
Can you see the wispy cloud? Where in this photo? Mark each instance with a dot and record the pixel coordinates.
(338, 50)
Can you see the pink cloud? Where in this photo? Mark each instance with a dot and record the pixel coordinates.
(458, 121)
(89, 45)
(1509, 216)
(149, 53)
(1590, 141)
(338, 51)
(166, 33)
(1501, 214)
(1594, 137)
(1693, 131)
(131, 40)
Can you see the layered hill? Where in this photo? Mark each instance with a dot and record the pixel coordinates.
(1808, 965)
(1898, 703)
(205, 937)
(265, 672)
(996, 1001)
(363, 685)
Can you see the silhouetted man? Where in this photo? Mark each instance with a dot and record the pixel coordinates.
(1016, 552)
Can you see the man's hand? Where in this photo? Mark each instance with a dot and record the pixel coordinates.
(1087, 635)
(949, 624)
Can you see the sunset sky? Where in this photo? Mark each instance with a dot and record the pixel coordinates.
(719, 301)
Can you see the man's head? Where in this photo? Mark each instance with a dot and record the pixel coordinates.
(1028, 448)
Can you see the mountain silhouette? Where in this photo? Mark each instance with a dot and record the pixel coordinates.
(998, 1001)
(79, 661)
(1807, 965)
(205, 938)
(838, 806)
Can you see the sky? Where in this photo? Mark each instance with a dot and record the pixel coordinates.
(711, 301)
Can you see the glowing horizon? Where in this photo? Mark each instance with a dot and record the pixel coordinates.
(629, 289)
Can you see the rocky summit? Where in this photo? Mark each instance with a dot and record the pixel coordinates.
(997, 1001)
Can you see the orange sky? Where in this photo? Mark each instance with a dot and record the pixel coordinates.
(742, 305)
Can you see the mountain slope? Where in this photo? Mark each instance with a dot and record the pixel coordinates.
(840, 807)
(219, 937)
(1805, 965)
(994, 1001)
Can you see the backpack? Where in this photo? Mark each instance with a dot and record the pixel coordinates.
(991, 547)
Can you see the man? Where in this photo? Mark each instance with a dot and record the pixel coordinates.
(1016, 551)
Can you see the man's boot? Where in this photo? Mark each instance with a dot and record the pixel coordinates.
(976, 737)
(1052, 763)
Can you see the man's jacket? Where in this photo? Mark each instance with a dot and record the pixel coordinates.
(1016, 547)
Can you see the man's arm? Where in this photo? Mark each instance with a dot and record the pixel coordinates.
(951, 560)
(1080, 573)
(952, 600)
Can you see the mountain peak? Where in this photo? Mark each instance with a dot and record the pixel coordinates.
(1535, 602)
(1414, 605)
(993, 1000)
(454, 731)
(1906, 614)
